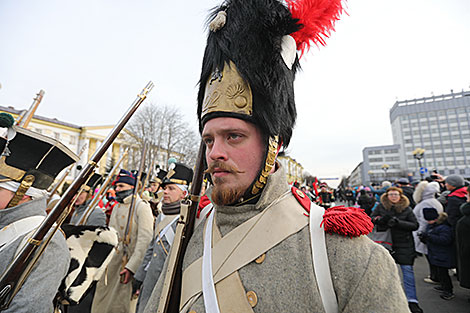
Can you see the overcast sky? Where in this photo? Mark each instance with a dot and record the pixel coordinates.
(92, 57)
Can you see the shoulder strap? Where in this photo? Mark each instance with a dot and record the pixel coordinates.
(13, 231)
(321, 264)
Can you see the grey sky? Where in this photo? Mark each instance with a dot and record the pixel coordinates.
(93, 57)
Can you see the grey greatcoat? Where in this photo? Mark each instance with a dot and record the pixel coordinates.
(96, 217)
(152, 266)
(111, 295)
(365, 277)
(40, 288)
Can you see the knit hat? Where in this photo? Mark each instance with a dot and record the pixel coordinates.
(430, 214)
(403, 181)
(455, 180)
(125, 177)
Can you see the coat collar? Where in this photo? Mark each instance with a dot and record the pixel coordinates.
(30, 208)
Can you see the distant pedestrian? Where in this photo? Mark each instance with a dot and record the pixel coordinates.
(424, 196)
(456, 197)
(463, 244)
(366, 201)
(439, 239)
(394, 213)
(408, 190)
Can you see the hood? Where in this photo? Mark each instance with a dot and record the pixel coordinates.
(400, 206)
(430, 191)
(459, 192)
(465, 209)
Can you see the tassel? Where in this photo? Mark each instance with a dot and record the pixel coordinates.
(318, 18)
(218, 22)
(347, 221)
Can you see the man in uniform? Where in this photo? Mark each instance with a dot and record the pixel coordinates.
(325, 197)
(175, 189)
(259, 252)
(80, 216)
(28, 165)
(114, 290)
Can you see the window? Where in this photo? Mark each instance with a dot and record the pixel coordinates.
(412, 116)
(462, 172)
(406, 133)
(408, 141)
(375, 160)
(404, 118)
(451, 171)
(390, 159)
(422, 115)
(432, 114)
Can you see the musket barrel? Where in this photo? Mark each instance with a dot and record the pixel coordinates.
(9, 282)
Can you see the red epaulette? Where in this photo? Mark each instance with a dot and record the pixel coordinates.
(202, 204)
(347, 221)
(302, 198)
(341, 220)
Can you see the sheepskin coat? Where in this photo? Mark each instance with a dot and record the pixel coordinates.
(404, 223)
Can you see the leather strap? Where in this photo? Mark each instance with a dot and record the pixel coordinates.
(13, 231)
(321, 264)
(259, 234)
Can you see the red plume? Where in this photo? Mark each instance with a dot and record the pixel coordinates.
(318, 18)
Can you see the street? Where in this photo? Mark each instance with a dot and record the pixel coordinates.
(429, 299)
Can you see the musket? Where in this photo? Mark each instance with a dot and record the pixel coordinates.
(100, 194)
(150, 173)
(18, 270)
(24, 119)
(127, 233)
(171, 292)
(64, 176)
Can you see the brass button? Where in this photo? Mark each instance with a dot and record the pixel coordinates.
(154, 255)
(261, 258)
(300, 193)
(252, 298)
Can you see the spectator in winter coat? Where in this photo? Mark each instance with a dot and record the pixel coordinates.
(463, 244)
(408, 190)
(379, 192)
(439, 239)
(394, 212)
(424, 196)
(366, 201)
(456, 197)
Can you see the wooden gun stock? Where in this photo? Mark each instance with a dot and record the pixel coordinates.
(171, 292)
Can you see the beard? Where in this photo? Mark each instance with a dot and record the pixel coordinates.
(221, 193)
(225, 195)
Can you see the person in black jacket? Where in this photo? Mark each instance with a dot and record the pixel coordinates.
(456, 197)
(408, 190)
(366, 201)
(463, 244)
(394, 213)
(439, 239)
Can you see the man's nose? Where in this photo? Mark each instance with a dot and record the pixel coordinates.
(218, 151)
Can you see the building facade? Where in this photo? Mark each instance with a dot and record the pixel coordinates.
(356, 177)
(441, 126)
(381, 163)
(292, 168)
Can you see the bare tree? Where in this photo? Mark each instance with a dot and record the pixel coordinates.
(167, 133)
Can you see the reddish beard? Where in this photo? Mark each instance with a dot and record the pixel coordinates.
(221, 194)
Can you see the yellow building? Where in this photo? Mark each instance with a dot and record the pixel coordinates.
(76, 137)
(292, 168)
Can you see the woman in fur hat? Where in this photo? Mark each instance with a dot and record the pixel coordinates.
(394, 213)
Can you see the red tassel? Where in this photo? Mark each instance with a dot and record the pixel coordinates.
(347, 221)
(318, 18)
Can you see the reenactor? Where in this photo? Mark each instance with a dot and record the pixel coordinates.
(325, 196)
(92, 216)
(265, 247)
(175, 189)
(29, 163)
(114, 290)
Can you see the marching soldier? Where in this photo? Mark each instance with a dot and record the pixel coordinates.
(325, 197)
(175, 189)
(114, 290)
(28, 165)
(264, 248)
(94, 216)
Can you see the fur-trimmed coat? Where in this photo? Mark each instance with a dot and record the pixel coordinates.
(401, 220)
(364, 275)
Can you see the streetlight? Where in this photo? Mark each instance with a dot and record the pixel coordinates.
(418, 154)
(385, 168)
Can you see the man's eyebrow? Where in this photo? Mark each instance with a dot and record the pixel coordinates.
(225, 130)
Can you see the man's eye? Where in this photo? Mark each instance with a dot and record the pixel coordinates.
(208, 141)
(234, 136)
